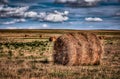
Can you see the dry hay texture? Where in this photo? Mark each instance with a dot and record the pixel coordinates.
(52, 39)
(77, 49)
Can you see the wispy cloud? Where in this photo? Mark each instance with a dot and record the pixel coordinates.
(12, 27)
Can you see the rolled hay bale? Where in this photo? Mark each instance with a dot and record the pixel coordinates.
(40, 36)
(101, 37)
(26, 35)
(52, 39)
(77, 49)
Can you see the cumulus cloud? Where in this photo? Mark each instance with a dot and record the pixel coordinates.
(8, 22)
(61, 13)
(64, 1)
(16, 10)
(78, 3)
(14, 21)
(30, 14)
(22, 12)
(12, 12)
(42, 15)
(91, 0)
(92, 19)
(56, 16)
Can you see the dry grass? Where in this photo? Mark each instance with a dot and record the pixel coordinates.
(15, 65)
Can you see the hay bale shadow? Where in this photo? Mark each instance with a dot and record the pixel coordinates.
(77, 49)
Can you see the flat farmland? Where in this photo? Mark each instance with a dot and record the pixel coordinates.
(27, 54)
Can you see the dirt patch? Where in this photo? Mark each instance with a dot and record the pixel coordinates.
(77, 49)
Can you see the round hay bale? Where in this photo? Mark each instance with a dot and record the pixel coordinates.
(101, 37)
(52, 39)
(26, 35)
(77, 49)
(40, 36)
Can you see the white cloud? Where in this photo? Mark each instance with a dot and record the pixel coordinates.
(56, 16)
(22, 12)
(91, 0)
(13, 12)
(96, 19)
(30, 14)
(42, 15)
(62, 13)
(20, 20)
(14, 21)
(44, 25)
(8, 22)
(64, 1)
(12, 27)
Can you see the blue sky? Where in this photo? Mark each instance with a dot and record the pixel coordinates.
(76, 16)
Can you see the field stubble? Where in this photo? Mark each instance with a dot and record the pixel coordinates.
(29, 56)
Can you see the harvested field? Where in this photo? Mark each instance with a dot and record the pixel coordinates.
(30, 57)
